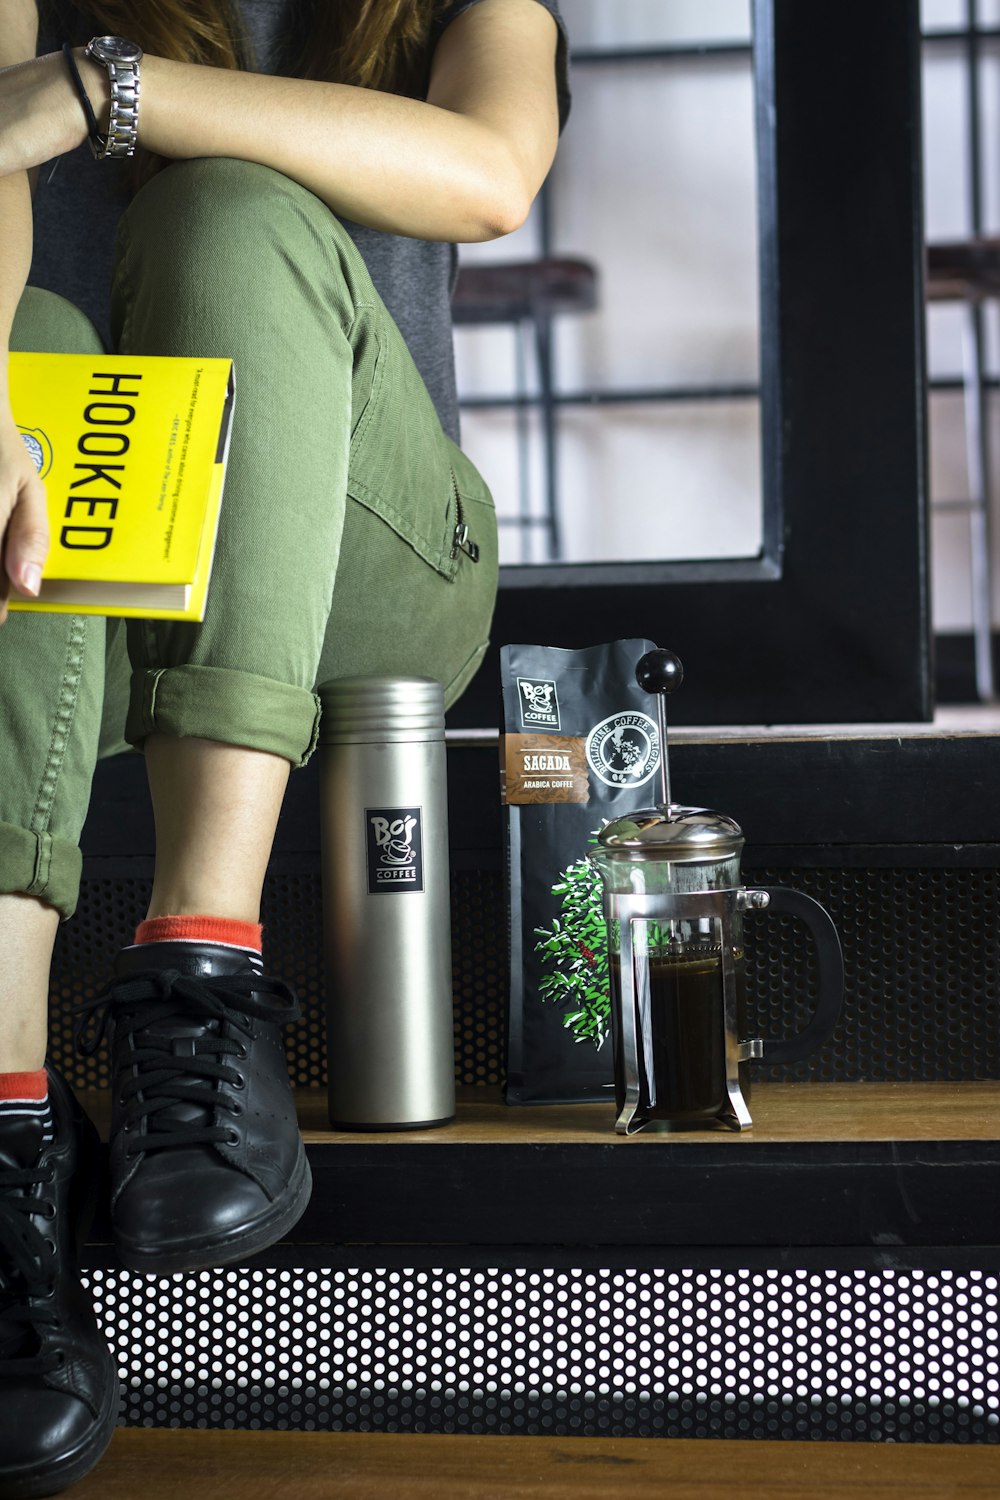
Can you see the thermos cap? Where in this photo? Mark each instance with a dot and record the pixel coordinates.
(672, 832)
(363, 710)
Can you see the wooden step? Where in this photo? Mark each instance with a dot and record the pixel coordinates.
(869, 1171)
(175, 1464)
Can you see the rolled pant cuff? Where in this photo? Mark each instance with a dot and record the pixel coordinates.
(235, 708)
(42, 865)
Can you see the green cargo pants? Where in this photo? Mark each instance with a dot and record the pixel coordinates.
(336, 553)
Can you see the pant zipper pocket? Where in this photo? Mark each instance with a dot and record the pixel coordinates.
(461, 541)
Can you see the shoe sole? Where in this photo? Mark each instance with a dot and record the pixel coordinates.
(209, 1253)
(55, 1477)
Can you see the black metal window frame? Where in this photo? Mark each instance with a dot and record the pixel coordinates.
(831, 622)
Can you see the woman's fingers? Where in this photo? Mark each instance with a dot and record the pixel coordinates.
(26, 537)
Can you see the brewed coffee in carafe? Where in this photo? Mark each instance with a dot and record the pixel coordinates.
(673, 910)
(682, 973)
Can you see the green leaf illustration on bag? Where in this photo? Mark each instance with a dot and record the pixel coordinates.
(573, 953)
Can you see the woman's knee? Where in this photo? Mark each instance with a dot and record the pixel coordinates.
(212, 193)
(219, 228)
(45, 323)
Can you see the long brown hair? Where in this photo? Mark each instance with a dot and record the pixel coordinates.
(378, 44)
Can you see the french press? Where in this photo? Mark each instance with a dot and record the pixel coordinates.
(673, 907)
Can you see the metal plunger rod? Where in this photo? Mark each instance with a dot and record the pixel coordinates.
(660, 672)
(661, 719)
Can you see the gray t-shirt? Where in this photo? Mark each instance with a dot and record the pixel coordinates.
(79, 201)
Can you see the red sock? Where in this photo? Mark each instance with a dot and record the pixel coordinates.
(201, 930)
(24, 1087)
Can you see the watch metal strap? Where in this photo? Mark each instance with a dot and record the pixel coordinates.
(123, 126)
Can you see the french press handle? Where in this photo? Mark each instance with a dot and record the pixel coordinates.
(783, 901)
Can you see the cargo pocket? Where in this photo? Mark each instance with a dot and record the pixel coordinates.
(409, 598)
(401, 464)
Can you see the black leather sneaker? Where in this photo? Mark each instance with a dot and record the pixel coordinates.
(207, 1163)
(58, 1385)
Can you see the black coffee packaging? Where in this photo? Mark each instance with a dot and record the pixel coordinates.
(579, 747)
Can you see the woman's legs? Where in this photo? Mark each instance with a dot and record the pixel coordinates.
(60, 1386)
(207, 1163)
(27, 933)
(52, 685)
(226, 707)
(216, 807)
(336, 551)
(329, 405)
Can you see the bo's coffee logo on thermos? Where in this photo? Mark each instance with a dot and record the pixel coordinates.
(395, 849)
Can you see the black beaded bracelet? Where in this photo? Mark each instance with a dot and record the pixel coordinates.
(98, 142)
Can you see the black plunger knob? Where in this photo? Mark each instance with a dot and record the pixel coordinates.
(659, 672)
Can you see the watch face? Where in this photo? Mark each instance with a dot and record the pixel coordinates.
(114, 49)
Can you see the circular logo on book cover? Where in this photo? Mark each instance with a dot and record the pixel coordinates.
(39, 449)
(624, 750)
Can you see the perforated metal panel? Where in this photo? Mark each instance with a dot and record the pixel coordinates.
(921, 948)
(479, 954)
(894, 1355)
(922, 965)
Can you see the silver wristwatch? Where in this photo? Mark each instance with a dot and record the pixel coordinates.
(122, 59)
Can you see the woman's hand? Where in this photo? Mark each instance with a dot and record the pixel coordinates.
(40, 114)
(24, 526)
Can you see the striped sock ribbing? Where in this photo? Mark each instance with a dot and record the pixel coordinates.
(25, 1096)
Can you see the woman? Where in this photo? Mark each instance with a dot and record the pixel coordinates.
(299, 219)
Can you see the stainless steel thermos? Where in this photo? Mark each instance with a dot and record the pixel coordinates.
(386, 903)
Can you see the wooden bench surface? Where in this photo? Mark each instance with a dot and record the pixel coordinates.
(175, 1464)
(785, 1112)
(781, 1112)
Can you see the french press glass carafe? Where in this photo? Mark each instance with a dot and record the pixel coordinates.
(673, 907)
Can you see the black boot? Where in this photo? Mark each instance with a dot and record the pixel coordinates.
(58, 1385)
(207, 1164)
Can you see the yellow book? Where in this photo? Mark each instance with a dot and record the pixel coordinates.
(132, 450)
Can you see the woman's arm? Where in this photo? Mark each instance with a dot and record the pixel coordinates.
(24, 532)
(465, 165)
